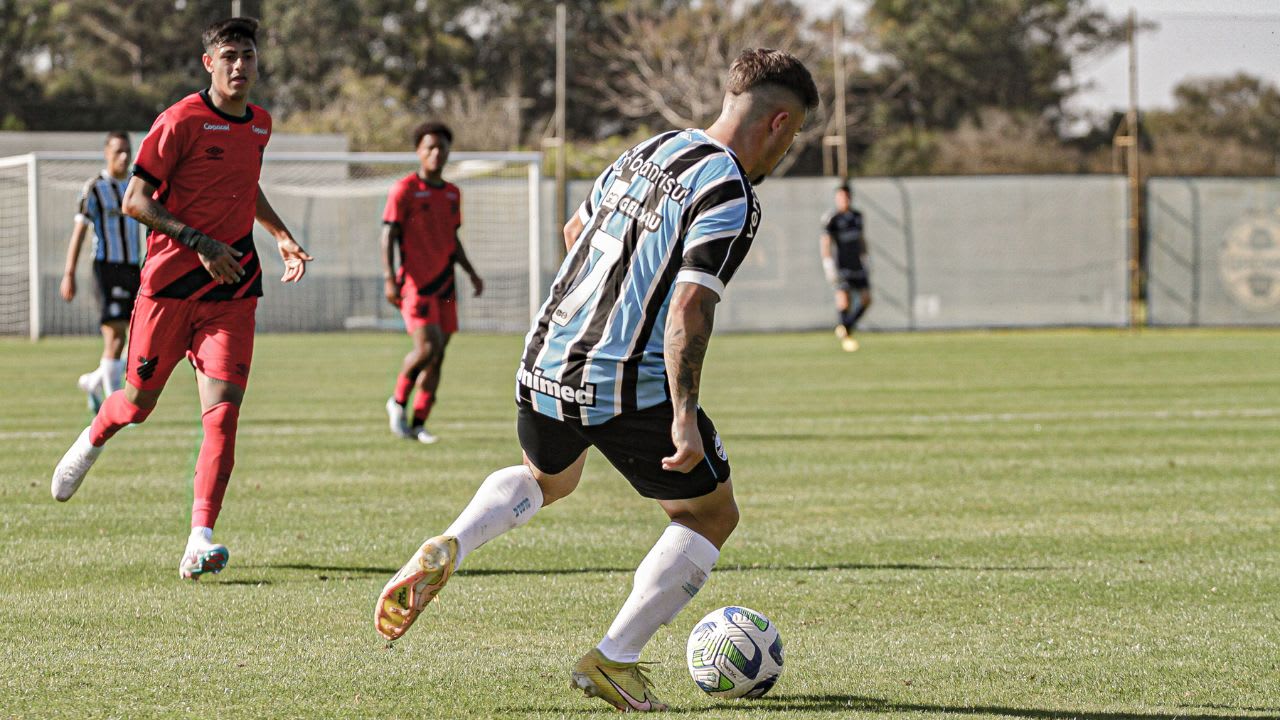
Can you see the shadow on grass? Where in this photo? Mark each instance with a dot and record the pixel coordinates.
(834, 703)
(486, 572)
(850, 703)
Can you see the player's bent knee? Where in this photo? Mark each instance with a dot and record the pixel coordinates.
(557, 485)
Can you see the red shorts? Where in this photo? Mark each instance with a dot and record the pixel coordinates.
(216, 336)
(422, 310)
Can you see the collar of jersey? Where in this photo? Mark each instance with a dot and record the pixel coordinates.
(208, 101)
(703, 136)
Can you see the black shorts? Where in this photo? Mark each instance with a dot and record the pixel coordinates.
(852, 279)
(117, 287)
(633, 442)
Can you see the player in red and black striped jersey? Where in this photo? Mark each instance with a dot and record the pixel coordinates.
(421, 219)
(195, 185)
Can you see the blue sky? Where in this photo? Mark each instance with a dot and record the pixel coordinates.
(1193, 38)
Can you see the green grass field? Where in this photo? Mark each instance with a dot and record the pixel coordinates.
(1054, 525)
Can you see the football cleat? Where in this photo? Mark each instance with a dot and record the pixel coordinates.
(73, 466)
(849, 344)
(92, 388)
(202, 557)
(395, 415)
(422, 435)
(417, 583)
(842, 332)
(625, 686)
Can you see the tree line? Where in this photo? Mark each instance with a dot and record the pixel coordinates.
(981, 86)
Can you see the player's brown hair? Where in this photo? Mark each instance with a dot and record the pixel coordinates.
(431, 128)
(766, 66)
(230, 30)
(115, 134)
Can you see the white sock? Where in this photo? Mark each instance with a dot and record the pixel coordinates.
(201, 534)
(112, 372)
(506, 500)
(667, 579)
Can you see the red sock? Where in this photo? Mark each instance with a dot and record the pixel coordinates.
(115, 413)
(403, 386)
(422, 403)
(213, 466)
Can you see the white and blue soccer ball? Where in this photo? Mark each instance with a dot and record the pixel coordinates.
(734, 652)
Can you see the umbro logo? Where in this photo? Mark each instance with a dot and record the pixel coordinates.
(147, 366)
(214, 152)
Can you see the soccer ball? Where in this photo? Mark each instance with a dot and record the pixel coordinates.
(734, 652)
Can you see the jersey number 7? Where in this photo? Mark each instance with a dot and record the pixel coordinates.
(610, 249)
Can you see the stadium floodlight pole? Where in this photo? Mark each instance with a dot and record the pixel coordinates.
(842, 128)
(561, 172)
(1135, 181)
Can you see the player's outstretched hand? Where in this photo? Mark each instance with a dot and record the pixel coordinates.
(221, 262)
(391, 290)
(68, 287)
(688, 441)
(295, 260)
(477, 283)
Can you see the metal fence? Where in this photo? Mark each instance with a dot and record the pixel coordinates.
(954, 252)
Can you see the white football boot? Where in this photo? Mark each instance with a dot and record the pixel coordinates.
(395, 417)
(91, 384)
(424, 436)
(73, 466)
(202, 556)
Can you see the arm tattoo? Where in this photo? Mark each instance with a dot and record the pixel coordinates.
(157, 218)
(687, 347)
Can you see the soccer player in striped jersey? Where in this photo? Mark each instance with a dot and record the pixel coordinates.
(421, 221)
(195, 184)
(117, 261)
(614, 360)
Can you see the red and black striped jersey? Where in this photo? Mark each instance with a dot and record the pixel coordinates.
(205, 166)
(429, 218)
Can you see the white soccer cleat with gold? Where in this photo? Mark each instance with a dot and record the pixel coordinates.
(417, 583)
(73, 466)
(625, 686)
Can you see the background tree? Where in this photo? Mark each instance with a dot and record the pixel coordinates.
(662, 64)
(946, 63)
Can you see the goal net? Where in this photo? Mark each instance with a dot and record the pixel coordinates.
(332, 202)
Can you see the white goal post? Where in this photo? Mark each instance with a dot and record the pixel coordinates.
(331, 201)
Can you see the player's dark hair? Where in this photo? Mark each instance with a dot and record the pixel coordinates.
(431, 128)
(230, 30)
(114, 134)
(844, 188)
(766, 66)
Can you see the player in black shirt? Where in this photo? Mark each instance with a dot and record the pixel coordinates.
(844, 260)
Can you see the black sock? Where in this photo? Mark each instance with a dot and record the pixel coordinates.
(853, 322)
(847, 319)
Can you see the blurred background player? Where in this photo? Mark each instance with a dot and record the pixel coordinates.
(844, 261)
(195, 185)
(117, 260)
(614, 359)
(421, 219)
